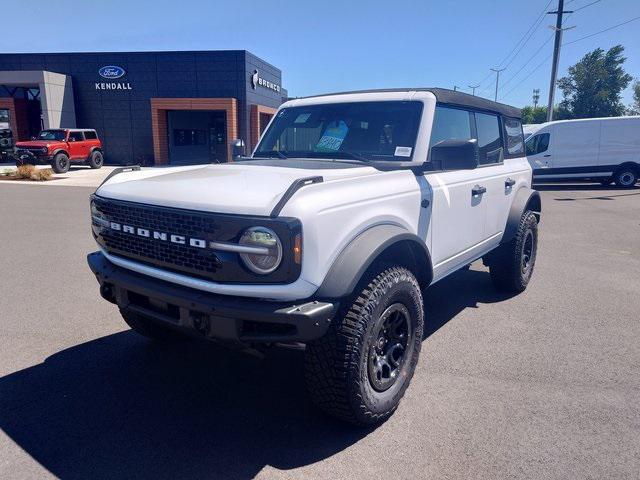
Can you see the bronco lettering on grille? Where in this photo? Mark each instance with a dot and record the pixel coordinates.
(162, 236)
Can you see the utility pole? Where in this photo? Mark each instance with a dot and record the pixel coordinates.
(473, 89)
(536, 97)
(556, 56)
(498, 70)
(455, 88)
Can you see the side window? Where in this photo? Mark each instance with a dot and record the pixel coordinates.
(489, 138)
(90, 135)
(450, 123)
(76, 136)
(537, 144)
(515, 140)
(543, 143)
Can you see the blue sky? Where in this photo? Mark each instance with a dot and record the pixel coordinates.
(328, 45)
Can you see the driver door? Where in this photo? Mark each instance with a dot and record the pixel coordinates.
(459, 204)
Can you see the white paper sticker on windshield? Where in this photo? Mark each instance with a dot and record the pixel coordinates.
(403, 151)
(302, 118)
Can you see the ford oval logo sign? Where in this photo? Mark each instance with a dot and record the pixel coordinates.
(111, 72)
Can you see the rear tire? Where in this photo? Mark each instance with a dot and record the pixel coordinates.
(60, 163)
(96, 159)
(361, 368)
(626, 177)
(511, 264)
(150, 329)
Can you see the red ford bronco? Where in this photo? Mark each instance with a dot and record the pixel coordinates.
(61, 147)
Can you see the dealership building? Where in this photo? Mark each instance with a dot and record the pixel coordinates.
(151, 108)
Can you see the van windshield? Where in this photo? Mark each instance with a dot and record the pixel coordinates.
(361, 131)
(51, 135)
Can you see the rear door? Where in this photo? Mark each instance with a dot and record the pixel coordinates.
(538, 149)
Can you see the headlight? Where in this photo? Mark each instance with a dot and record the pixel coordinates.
(267, 247)
(44, 149)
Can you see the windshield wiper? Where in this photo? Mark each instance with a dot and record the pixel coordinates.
(354, 155)
(271, 154)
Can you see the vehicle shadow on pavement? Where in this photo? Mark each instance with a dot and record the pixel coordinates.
(121, 406)
(460, 290)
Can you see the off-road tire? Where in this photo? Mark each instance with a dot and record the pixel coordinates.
(337, 369)
(511, 264)
(626, 177)
(60, 163)
(96, 159)
(150, 329)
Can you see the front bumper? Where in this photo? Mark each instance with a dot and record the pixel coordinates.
(27, 157)
(222, 317)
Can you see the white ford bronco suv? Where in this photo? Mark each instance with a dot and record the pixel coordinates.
(350, 206)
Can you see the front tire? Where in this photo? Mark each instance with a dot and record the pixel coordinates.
(361, 368)
(96, 159)
(511, 264)
(60, 163)
(626, 177)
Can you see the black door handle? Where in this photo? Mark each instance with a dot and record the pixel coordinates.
(547, 155)
(478, 190)
(509, 182)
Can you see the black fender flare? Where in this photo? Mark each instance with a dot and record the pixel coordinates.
(356, 258)
(93, 149)
(525, 199)
(59, 150)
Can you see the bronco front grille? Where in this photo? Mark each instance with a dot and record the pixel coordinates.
(148, 239)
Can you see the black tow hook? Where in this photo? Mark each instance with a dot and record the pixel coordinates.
(201, 323)
(107, 292)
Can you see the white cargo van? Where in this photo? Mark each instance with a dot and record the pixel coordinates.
(603, 149)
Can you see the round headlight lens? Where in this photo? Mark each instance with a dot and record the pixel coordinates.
(44, 149)
(268, 250)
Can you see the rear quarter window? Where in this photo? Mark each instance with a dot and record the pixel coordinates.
(90, 135)
(514, 137)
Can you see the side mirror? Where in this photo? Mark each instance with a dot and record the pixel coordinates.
(455, 154)
(71, 139)
(34, 138)
(237, 148)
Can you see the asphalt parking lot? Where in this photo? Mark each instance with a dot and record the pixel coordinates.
(541, 385)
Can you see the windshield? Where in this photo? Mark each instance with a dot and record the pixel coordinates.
(363, 131)
(52, 135)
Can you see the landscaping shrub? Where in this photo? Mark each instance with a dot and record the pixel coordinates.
(42, 175)
(25, 171)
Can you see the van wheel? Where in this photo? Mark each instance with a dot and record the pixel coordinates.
(511, 264)
(60, 163)
(361, 368)
(96, 159)
(626, 177)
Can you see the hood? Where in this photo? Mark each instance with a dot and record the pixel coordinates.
(239, 188)
(35, 143)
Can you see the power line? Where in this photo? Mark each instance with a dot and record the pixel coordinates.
(527, 77)
(530, 33)
(602, 31)
(587, 5)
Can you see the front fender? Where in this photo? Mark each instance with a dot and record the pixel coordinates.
(347, 270)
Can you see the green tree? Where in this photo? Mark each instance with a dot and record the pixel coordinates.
(594, 85)
(634, 109)
(539, 114)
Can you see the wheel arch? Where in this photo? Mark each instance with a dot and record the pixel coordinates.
(59, 150)
(633, 165)
(379, 243)
(525, 199)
